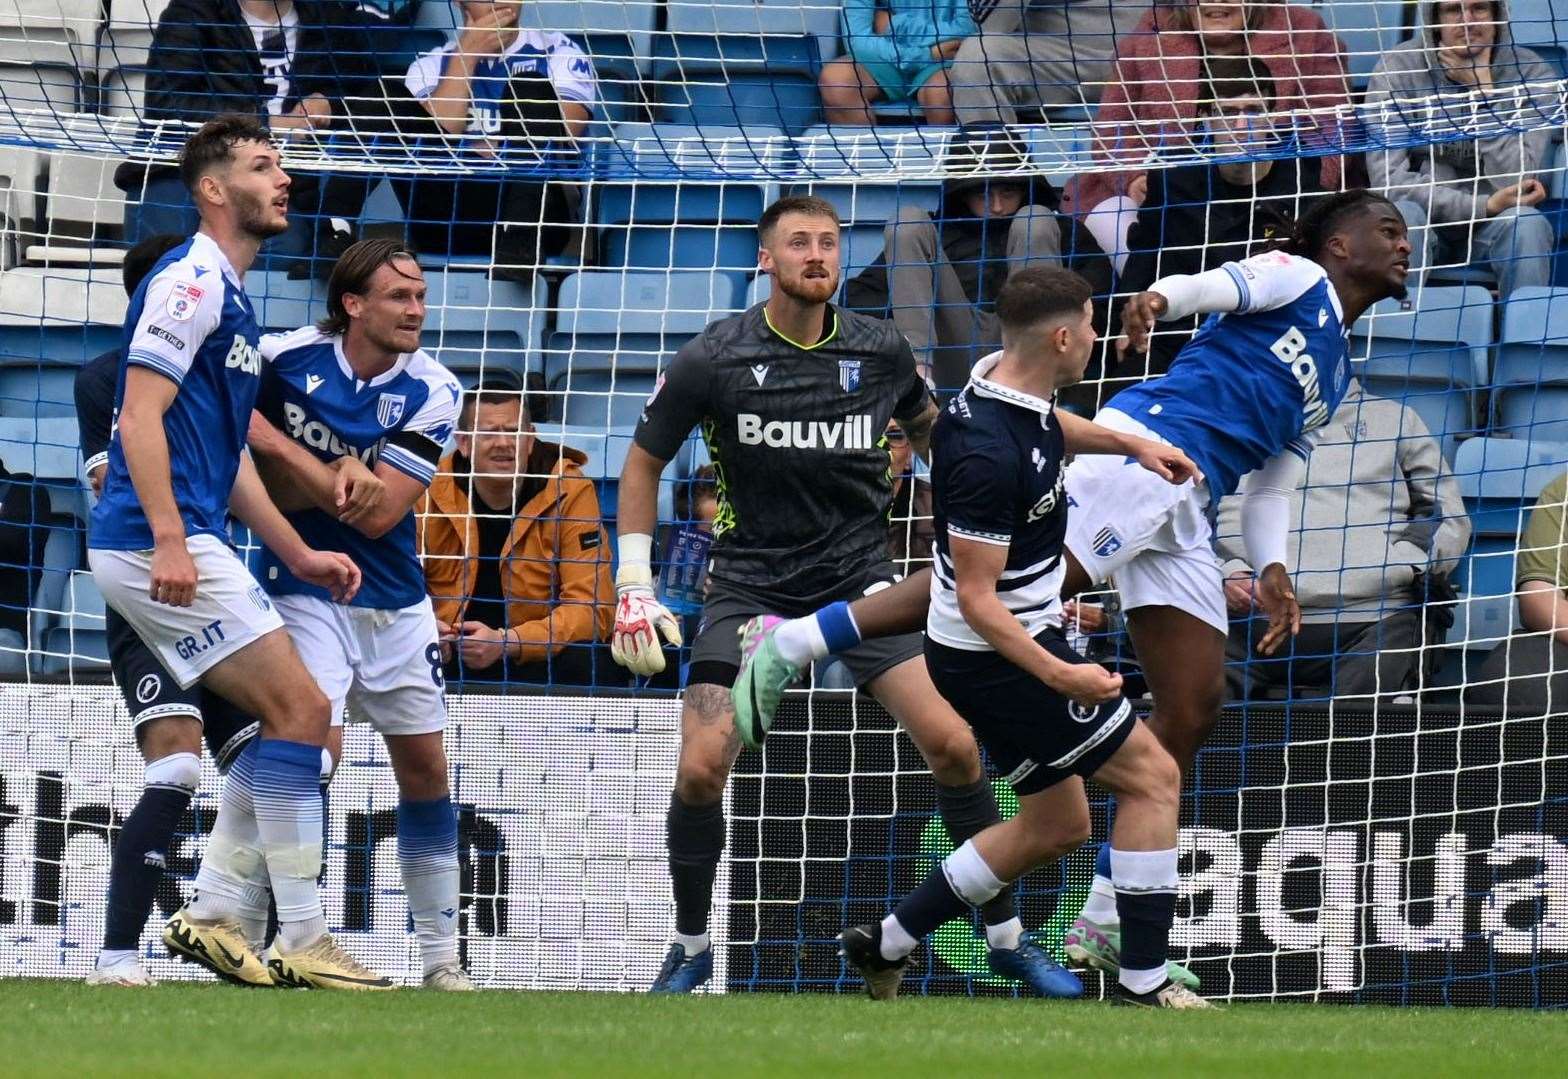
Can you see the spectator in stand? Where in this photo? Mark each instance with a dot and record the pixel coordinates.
(1032, 56)
(521, 95)
(1158, 88)
(944, 271)
(896, 50)
(1529, 670)
(912, 530)
(298, 64)
(1198, 217)
(516, 556)
(1377, 517)
(1473, 199)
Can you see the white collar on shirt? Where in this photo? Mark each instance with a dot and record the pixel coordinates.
(984, 387)
(204, 246)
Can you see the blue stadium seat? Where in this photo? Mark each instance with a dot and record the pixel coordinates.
(689, 226)
(1368, 29)
(1530, 383)
(613, 325)
(1542, 25)
(79, 640)
(474, 324)
(1500, 480)
(62, 557)
(48, 448)
(1432, 356)
(606, 449)
(743, 63)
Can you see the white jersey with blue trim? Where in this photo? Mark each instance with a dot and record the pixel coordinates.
(191, 322)
(997, 477)
(1256, 381)
(402, 417)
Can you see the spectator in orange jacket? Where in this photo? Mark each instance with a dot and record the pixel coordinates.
(516, 556)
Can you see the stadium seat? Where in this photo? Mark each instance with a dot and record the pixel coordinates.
(50, 322)
(84, 213)
(648, 225)
(78, 641)
(1530, 384)
(123, 92)
(1542, 25)
(59, 33)
(48, 448)
(1368, 29)
(474, 324)
(1431, 352)
(606, 449)
(62, 557)
(36, 92)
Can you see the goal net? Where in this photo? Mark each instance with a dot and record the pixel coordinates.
(1380, 815)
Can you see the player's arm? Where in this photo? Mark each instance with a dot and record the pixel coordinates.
(977, 566)
(918, 427)
(1260, 283)
(297, 479)
(94, 394)
(249, 503)
(1265, 530)
(915, 410)
(148, 395)
(1085, 436)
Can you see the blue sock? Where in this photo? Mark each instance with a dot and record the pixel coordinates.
(287, 792)
(1102, 861)
(138, 864)
(838, 628)
(427, 853)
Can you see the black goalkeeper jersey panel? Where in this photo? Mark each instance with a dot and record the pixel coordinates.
(796, 440)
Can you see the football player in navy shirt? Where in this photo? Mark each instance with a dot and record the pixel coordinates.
(1047, 717)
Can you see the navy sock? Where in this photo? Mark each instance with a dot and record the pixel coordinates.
(930, 905)
(138, 863)
(1102, 861)
(1146, 928)
(967, 811)
(695, 840)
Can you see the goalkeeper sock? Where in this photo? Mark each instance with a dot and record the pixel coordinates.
(961, 881)
(1100, 908)
(817, 636)
(1146, 899)
(694, 837)
(967, 811)
(427, 852)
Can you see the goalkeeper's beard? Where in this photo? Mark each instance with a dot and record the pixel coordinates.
(812, 290)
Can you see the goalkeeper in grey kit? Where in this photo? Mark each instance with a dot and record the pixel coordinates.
(792, 397)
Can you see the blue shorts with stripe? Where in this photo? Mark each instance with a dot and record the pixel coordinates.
(1034, 735)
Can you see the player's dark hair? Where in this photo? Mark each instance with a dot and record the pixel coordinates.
(140, 259)
(1237, 76)
(214, 142)
(495, 389)
(1039, 294)
(1327, 217)
(352, 274)
(794, 204)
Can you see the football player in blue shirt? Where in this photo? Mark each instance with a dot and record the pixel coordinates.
(1245, 397)
(1047, 717)
(357, 392)
(158, 548)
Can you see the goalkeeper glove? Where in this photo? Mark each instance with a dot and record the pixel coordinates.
(639, 616)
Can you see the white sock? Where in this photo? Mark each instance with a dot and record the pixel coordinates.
(1142, 981)
(693, 944)
(427, 854)
(233, 856)
(896, 941)
(1005, 936)
(1101, 905)
(800, 640)
(108, 958)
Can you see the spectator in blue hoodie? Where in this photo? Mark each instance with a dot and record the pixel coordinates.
(895, 50)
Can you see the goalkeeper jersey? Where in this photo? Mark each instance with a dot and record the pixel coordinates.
(795, 433)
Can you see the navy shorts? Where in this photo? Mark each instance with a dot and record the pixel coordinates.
(1034, 735)
(151, 692)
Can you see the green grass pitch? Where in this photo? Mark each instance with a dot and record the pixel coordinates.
(67, 1029)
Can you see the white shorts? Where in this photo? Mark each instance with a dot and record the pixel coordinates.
(1150, 538)
(230, 609)
(383, 666)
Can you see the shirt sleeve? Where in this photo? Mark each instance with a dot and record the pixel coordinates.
(415, 449)
(178, 313)
(571, 71)
(915, 393)
(1541, 546)
(1272, 279)
(424, 73)
(980, 493)
(678, 403)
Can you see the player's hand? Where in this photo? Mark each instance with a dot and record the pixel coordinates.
(1277, 597)
(173, 574)
(1086, 617)
(1139, 315)
(357, 491)
(1166, 462)
(1087, 683)
(446, 633)
(480, 645)
(330, 570)
(639, 621)
(1238, 593)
